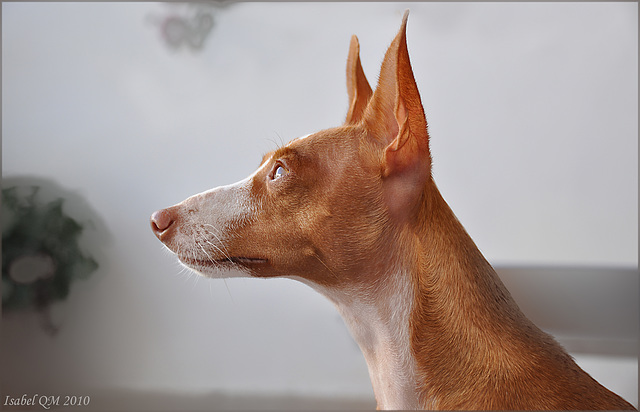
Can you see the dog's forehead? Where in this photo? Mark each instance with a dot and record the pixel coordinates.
(307, 144)
(276, 153)
(310, 145)
(310, 140)
(318, 140)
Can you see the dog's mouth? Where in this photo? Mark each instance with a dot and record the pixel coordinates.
(232, 261)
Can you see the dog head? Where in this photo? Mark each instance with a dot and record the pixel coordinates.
(326, 207)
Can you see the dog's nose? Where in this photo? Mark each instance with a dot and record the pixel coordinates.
(161, 221)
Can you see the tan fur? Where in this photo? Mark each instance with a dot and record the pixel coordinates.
(356, 215)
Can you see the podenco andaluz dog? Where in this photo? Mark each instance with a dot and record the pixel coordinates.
(353, 212)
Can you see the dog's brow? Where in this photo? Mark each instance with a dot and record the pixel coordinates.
(265, 158)
(285, 151)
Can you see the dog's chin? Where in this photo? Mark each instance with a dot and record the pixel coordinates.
(224, 268)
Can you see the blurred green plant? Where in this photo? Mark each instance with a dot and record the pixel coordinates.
(41, 256)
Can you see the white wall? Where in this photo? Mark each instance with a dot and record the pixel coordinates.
(532, 110)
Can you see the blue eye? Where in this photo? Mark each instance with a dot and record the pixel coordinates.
(279, 172)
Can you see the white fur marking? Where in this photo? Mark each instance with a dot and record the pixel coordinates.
(384, 337)
(209, 220)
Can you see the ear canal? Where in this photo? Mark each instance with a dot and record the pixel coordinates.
(402, 119)
(393, 162)
(358, 87)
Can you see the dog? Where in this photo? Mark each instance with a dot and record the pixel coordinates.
(353, 212)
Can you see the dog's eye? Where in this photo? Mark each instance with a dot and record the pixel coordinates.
(279, 171)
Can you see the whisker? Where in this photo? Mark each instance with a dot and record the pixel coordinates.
(228, 290)
(225, 254)
(184, 272)
(281, 144)
(324, 264)
(222, 248)
(211, 259)
(212, 232)
(272, 141)
(281, 139)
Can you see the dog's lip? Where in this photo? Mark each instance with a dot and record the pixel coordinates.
(243, 260)
(237, 260)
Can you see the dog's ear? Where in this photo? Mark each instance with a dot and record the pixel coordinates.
(357, 85)
(395, 117)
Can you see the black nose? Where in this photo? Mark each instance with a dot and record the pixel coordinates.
(161, 221)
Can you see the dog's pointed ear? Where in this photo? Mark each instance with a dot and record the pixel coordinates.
(357, 85)
(395, 117)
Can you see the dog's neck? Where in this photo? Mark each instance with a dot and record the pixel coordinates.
(465, 325)
(438, 299)
(378, 318)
